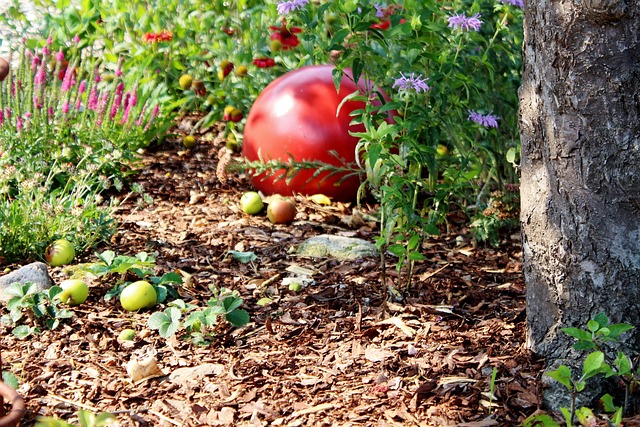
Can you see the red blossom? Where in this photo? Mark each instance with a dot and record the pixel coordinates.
(162, 36)
(382, 25)
(264, 62)
(286, 35)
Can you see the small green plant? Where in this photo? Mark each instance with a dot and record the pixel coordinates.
(599, 361)
(30, 310)
(85, 419)
(141, 266)
(200, 324)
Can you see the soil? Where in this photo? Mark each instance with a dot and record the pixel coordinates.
(338, 352)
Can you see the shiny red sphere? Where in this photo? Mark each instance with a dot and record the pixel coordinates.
(295, 118)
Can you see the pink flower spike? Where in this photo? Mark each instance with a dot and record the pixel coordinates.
(49, 41)
(65, 107)
(60, 55)
(76, 39)
(83, 87)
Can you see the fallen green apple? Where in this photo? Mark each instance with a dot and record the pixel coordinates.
(138, 295)
(74, 292)
(126, 335)
(251, 202)
(60, 252)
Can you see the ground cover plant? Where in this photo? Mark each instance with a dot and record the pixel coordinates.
(447, 160)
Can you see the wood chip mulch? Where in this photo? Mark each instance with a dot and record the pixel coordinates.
(336, 353)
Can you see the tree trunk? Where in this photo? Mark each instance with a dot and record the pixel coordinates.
(580, 186)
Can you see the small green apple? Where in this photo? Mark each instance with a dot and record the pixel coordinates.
(251, 202)
(74, 292)
(138, 295)
(60, 252)
(126, 335)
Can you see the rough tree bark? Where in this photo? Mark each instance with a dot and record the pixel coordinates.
(580, 186)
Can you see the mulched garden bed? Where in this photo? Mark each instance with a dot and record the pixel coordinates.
(335, 353)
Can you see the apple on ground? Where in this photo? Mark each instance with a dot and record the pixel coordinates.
(281, 210)
(126, 335)
(138, 295)
(251, 203)
(74, 292)
(60, 252)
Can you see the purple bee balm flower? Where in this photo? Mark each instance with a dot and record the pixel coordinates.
(518, 3)
(413, 82)
(379, 10)
(488, 120)
(288, 6)
(464, 22)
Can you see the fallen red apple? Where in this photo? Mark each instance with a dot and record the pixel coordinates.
(281, 211)
(60, 252)
(300, 116)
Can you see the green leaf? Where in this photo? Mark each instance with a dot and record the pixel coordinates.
(107, 257)
(511, 155)
(584, 345)
(567, 416)
(602, 320)
(51, 422)
(616, 419)
(592, 364)
(23, 331)
(593, 326)
(541, 420)
(231, 303)
(618, 329)
(10, 379)
(562, 375)
(86, 418)
(166, 323)
(238, 318)
(577, 333)
(585, 416)
(243, 257)
(607, 403)
(171, 277)
(416, 256)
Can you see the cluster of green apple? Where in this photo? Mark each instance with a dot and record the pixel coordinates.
(134, 297)
(280, 210)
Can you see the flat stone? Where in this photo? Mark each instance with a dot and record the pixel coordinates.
(195, 375)
(36, 273)
(338, 247)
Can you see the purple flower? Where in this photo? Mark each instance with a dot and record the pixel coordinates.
(379, 10)
(288, 6)
(41, 77)
(152, 117)
(518, 3)
(487, 120)
(412, 82)
(35, 62)
(68, 80)
(464, 23)
(92, 103)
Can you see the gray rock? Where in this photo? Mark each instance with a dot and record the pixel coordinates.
(36, 273)
(196, 374)
(339, 247)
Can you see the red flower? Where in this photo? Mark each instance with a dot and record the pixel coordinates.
(382, 25)
(264, 62)
(286, 35)
(162, 36)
